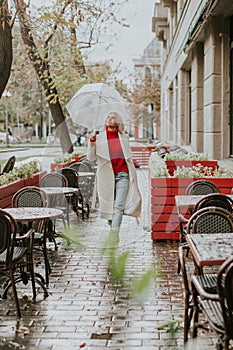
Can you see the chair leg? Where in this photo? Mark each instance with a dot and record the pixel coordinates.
(46, 260)
(31, 269)
(18, 311)
(195, 311)
(188, 314)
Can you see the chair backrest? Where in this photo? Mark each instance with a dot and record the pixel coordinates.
(90, 165)
(8, 234)
(162, 151)
(79, 166)
(202, 187)
(210, 220)
(215, 200)
(71, 175)
(9, 165)
(30, 196)
(225, 290)
(53, 179)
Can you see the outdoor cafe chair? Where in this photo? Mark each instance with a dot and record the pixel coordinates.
(32, 196)
(79, 166)
(218, 307)
(55, 179)
(16, 251)
(77, 201)
(219, 200)
(86, 183)
(215, 200)
(9, 165)
(202, 187)
(199, 187)
(91, 164)
(207, 220)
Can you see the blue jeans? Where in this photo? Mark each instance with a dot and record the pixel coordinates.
(120, 194)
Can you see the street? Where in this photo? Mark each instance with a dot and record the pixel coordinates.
(45, 154)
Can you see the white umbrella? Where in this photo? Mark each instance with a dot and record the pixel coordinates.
(92, 103)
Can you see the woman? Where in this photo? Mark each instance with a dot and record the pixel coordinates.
(117, 185)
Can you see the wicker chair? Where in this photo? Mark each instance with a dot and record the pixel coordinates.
(202, 187)
(218, 307)
(77, 200)
(207, 220)
(219, 200)
(35, 197)
(210, 220)
(15, 252)
(9, 165)
(87, 183)
(90, 164)
(79, 166)
(199, 187)
(55, 179)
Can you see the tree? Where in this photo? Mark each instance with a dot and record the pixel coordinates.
(41, 65)
(62, 18)
(5, 44)
(146, 100)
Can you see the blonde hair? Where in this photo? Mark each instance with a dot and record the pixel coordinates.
(119, 122)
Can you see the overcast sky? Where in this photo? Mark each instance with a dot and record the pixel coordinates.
(133, 40)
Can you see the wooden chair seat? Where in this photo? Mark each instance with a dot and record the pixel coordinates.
(217, 308)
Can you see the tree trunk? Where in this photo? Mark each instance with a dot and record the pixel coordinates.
(42, 69)
(5, 45)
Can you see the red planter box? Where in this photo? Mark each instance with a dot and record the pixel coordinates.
(141, 155)
(34, 180)
(57, 166)
(7, 191)
(78, 158)
(173, 164)
(164, 216)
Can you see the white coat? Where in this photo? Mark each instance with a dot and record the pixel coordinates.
(105, 176)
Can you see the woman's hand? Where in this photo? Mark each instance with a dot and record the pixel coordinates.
(93, 136)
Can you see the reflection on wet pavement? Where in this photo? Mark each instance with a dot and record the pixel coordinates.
(87, 310)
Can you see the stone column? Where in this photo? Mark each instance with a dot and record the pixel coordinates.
(212, 89)
(181, 107)
(197, 122)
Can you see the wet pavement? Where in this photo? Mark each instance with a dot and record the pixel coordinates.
(87, 309)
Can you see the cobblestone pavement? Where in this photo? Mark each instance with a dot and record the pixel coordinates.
(86, 310)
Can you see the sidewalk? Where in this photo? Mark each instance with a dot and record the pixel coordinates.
(85, 310)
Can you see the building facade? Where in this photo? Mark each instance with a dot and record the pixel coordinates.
(147, 68)
(196, 74)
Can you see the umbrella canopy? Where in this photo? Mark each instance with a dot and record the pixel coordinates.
(92, 103)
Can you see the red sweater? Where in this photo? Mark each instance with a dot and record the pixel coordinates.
(116, 153)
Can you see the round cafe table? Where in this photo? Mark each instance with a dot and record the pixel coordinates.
(50, 191)
(33, 213)
(86, 173)
(55, 196)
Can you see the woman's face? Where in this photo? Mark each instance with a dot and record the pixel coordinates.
(111, 121)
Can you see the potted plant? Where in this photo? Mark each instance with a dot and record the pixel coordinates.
(77, 156)
(62, 161)
(176, 159)
(164, 187)
(27, 174)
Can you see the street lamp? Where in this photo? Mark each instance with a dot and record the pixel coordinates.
(6, 94)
